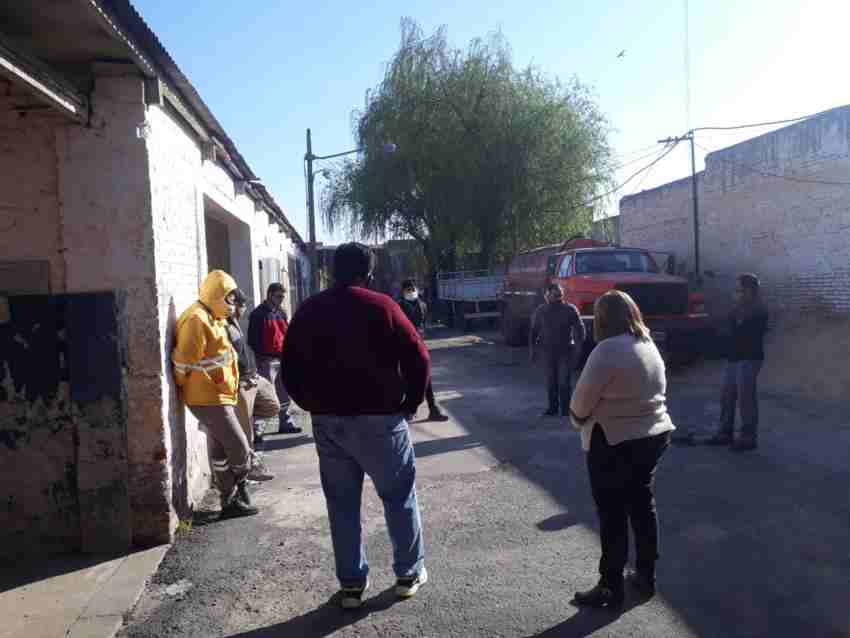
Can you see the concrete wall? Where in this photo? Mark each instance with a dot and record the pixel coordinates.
(793, 232)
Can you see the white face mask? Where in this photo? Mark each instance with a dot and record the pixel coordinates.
(411, 296)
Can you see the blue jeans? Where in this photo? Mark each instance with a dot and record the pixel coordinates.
(377, 445)
(740, 389)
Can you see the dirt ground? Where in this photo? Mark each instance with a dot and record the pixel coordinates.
(753, 544)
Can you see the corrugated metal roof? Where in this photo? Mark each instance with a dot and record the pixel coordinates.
(164, 65)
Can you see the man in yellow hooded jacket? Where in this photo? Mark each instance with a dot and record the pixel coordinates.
(207, 373)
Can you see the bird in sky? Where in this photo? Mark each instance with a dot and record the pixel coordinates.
(622, 54)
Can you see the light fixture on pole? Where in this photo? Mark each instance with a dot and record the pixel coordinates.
(309, 158)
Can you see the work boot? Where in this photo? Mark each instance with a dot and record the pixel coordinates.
(436, 414)
(240, 504)
(259, 469)
(603, 595)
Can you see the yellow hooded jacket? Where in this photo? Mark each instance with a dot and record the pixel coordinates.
(205, 363)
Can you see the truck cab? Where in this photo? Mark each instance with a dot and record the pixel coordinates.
(586, 269)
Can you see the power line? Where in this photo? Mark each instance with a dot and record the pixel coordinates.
(664, 153)
(760, 124)
(637, 151)
(687, 68)
(617, 167)
(789, 178)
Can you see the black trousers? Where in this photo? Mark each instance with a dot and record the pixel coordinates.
(622, 478)
(429, 396)
(559, 368)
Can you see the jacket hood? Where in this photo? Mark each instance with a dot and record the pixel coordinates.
(215, 288)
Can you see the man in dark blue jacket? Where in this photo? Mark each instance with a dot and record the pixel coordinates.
(747, 325)
(417, 311)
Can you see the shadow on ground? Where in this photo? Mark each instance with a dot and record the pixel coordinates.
(325, 620)
(759, 537)
(585, 623)
(285, 442)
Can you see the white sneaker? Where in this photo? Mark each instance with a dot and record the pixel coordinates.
(407, 586)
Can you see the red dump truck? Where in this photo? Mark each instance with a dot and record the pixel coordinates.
(586, 269)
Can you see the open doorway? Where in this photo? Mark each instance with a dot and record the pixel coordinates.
(228, 242)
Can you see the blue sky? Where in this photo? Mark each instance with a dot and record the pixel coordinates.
(273, 70)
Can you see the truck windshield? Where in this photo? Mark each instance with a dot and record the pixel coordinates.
(614, 261)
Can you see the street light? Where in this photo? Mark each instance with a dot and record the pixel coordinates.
(388, 148)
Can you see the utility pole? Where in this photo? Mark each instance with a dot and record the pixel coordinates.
(311, 218)
(689, 137)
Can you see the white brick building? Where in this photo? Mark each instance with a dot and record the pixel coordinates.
(777, 205)
(115, 175)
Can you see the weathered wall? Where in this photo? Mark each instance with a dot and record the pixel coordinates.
(63, 418)
(29, 198)
(793, 231)
(107, 229)
(181, 263)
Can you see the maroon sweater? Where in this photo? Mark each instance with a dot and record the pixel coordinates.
(351, 351)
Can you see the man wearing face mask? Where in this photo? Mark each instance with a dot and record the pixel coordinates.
(207, 373)
(417, 310)
(557, 327)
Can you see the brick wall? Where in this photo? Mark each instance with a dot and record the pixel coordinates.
(178, 228)
(794, 233)
(29, 198)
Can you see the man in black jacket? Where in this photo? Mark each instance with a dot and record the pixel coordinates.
(558, 328)
(257, 396)
(416, 310)
(748, 325)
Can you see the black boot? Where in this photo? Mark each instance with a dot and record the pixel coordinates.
(642, 581)
(605, 594)
(721, 438)
(436, 414)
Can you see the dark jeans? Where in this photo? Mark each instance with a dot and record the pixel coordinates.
(740, 387)
(559, 368)
(429, 396)
(377, 445)
(622, 478)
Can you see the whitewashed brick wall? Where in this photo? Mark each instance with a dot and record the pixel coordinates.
(793, 232)
(175, 170)
(180, 183)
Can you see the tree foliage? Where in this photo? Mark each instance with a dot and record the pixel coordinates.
(490, 160)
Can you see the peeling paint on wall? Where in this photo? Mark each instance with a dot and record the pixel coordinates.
(63, 420)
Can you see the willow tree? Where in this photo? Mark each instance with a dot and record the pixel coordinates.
(490, 160)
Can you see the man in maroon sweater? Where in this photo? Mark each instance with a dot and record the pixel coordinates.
(357, 364)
